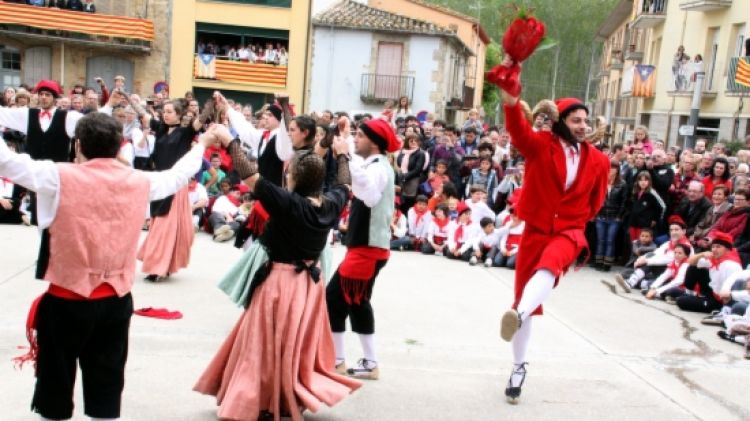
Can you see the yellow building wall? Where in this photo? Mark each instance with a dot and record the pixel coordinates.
(186, 13)
(465, 32)
(691, 29)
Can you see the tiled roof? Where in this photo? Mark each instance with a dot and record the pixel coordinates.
(350, 14)
(444, 10)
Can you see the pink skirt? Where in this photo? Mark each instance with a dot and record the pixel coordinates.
(170, 237)
(280, 356)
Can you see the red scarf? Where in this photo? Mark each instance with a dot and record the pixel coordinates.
(192, 185)
(441, 223)
(235, 201)
(420, 215)
(674, 266)
(730, 255)
(458, 234)
(682, 240)
(512, 240)
(357, 270)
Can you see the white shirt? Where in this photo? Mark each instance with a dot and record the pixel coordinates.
(719, 275)
(148, 147)
(480, 210)
(6, 189)
(127, 153)
(435, 231)
(224, 206)
(741, 295)
(663, 255)
(572, 160)
(43, 178)
(198, 194)
(243, 54)
(369, 179)
(506, 231)
(487, 240)
(253, 137)
(468, 236)
(400, 230)
(18, 119)
(419, 230)
(675, 279)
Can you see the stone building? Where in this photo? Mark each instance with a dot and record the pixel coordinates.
(364, 55)
(124, 37)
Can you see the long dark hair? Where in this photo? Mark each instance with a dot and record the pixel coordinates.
(721, 160)
(615, 166)
(640, 175)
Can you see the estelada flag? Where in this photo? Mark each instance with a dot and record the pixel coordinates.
(742, 76)
(644, 80)
(205, 66)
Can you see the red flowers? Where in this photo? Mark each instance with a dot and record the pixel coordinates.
(521, 39)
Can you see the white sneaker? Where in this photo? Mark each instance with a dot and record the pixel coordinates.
(223, 233)
(365, 369)
(473, 260)
(488, 263)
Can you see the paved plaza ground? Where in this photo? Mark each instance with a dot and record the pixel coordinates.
(595, 355)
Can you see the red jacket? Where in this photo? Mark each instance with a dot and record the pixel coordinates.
(545, 205)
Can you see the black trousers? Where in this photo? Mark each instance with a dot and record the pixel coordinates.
(92, 333)
(705, 302)
(361, 315)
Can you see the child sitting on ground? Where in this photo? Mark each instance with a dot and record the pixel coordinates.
(670, 284)
(510, 240)
(437, 235)
(462, 236)
(398, 230)
(485, 244)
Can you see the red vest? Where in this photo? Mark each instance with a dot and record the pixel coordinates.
(94, 236)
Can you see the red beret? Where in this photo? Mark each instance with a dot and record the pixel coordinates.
(676, 220)
(722, 238)
(567, 105)
(462, 207)
(48, 85)
(381, 133)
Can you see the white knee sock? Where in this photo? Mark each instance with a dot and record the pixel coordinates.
(521, 342)
(637, 275)
(536, 292)
(368, 347)
(338, 343)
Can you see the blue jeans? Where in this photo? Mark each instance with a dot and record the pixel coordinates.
(606, 233)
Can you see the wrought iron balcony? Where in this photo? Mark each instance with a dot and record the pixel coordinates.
(705, 5)
(380, 88)
(650, 13)
(120, 32)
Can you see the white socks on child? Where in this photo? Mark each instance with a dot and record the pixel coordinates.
(368, 347)
(636, 277)
(338, 343)
(535, 293)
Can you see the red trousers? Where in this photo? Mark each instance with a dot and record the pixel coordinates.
(554, 252)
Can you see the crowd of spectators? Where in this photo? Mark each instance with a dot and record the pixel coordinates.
(87, 6)
(674, 219)
(258, 52)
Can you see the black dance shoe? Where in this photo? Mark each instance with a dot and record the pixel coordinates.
(513, 393)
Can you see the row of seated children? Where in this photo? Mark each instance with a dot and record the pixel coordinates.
(467, 231)
(710, 281)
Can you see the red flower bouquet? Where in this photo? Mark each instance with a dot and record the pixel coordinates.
(521, 39)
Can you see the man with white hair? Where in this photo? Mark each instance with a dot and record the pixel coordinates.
(693, 207)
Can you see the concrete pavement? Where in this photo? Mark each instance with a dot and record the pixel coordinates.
(594, 355)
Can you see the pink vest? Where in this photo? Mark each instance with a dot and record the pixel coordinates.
(94, 236)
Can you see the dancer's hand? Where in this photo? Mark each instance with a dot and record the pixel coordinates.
(340, 146)
(222, 133)
(207, 139)
(7, 204)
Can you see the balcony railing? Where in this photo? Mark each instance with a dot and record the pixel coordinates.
(738, 77)
(211, 67)
(380, 88)
(635, 44)
(684, 80)
(626, 110)
(650, 13)
(90, 28)
(704, 5)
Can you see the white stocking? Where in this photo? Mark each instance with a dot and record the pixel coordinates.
(338, 343)
(536, 292)
(521, 342)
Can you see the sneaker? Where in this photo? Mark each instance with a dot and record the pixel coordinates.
(513, 393)
(716, 318)
(488, 263)
(670, 300)
(726, 336)
(223, 233)
(365, 369)
(341, 368)
(26, 220)
(509, 324)
(473, 260)
(623, 283)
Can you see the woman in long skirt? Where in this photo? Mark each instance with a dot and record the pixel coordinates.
(170, 236)
(279, 358)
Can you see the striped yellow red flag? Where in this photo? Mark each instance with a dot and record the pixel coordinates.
(742, 76)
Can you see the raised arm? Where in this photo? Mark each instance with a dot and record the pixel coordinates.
(14, 119)
(169, 182)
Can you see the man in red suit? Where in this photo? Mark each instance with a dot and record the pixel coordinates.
(564, 186)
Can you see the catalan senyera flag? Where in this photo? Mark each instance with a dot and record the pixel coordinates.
(742, 76)
(205, 66)
(644, 81)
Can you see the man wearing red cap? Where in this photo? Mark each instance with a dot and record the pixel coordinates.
(48, 130)
(564, 186)
(367, 240)
(707, 273)
(653, 264)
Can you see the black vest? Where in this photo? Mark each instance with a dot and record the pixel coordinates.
(358, 233)
(54, 144)
(168, 149)
(270, 166)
